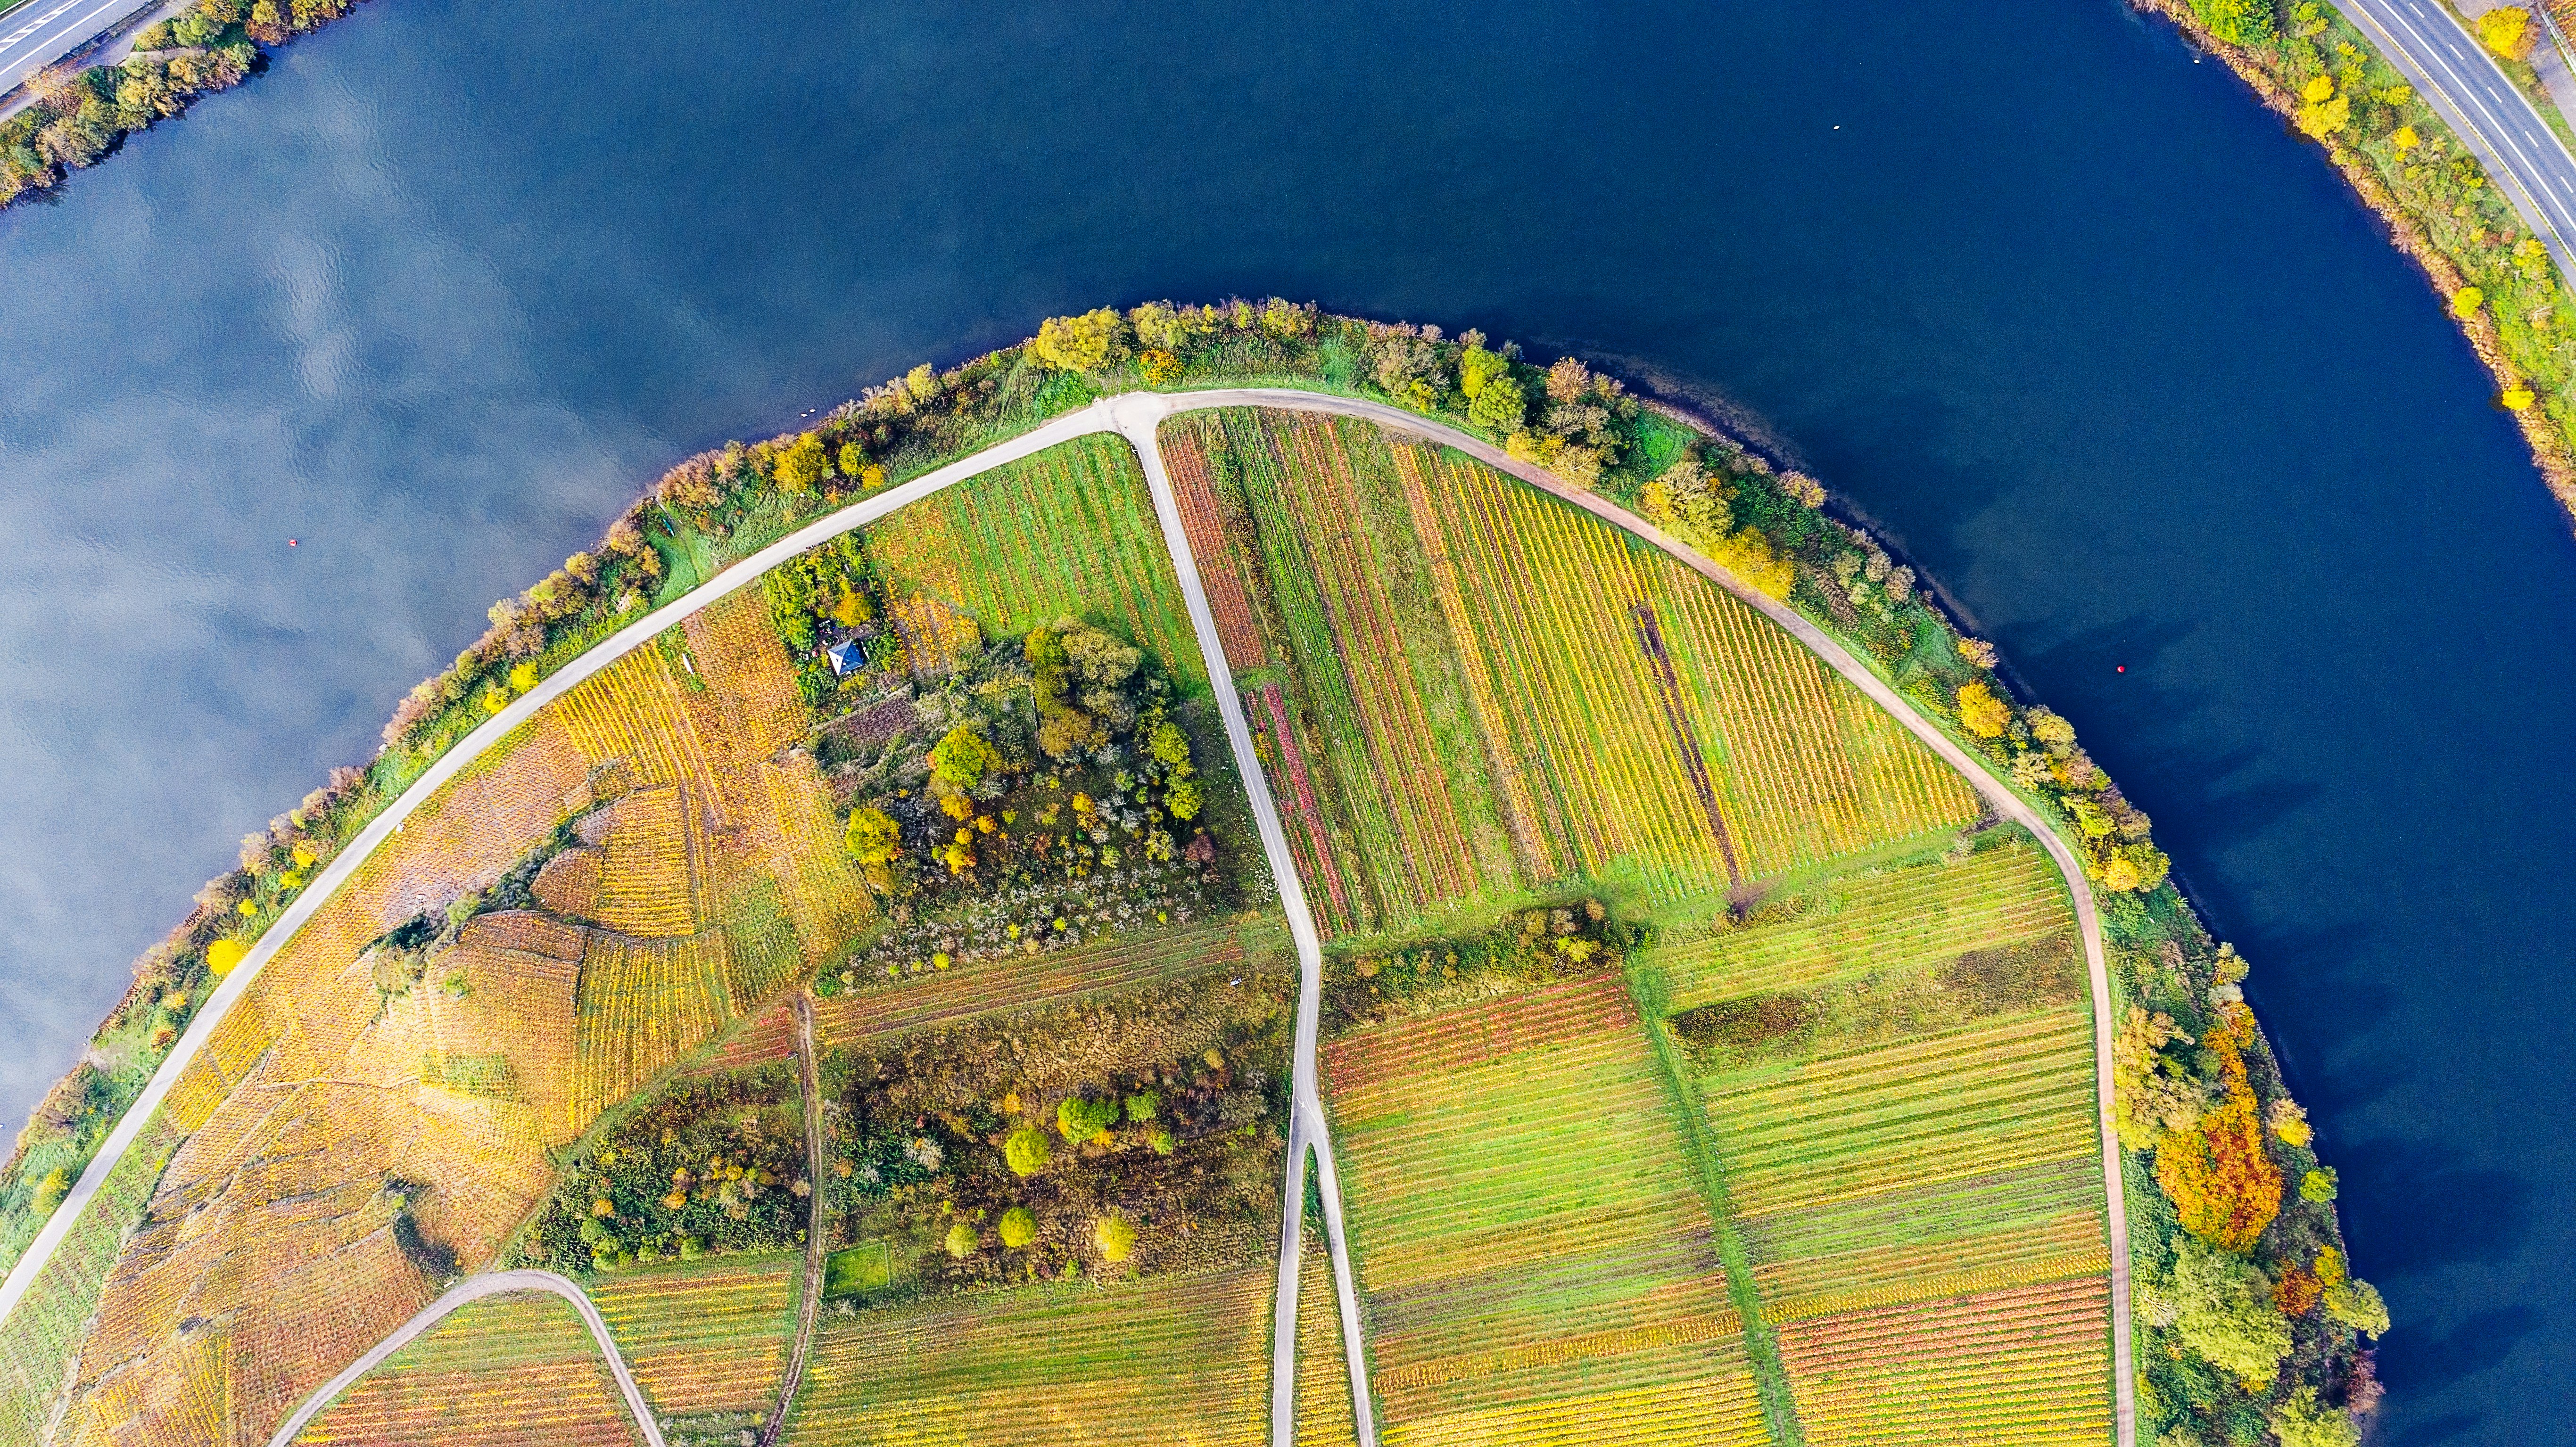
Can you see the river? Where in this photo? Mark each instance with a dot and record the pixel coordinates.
(2120, 362)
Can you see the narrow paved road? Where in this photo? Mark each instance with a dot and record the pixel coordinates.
(1136, 417)
(474, 1289)
(1139, 416)
(2425, 42)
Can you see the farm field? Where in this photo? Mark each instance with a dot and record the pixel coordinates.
(507, 1371)
(345, 1105)
(1179, 1358)
(1897, 1071)
(1068, 532)
(704, 1337)
(1536, 1262)
(1481, 689)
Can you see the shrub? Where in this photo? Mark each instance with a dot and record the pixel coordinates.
(961, 1241)
(1080, 1120)
(1077, 344)
(1019, 1228)
(1116, 1237)
(1981, 713)
(803, 464)
(1143, 1107)
(2507, 30)
(1026, 1151)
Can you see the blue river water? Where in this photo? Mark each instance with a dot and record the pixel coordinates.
(2121, 363)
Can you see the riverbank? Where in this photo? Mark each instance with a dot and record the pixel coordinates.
(2323, 76)
(2223, 1107)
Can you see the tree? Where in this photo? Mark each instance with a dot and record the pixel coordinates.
(2150, 1094)
(2223, 1183)
(2357, 1305)
(959, 762)
(1026, 1151)
(1476, 367)
(1019, 1228)
(1144, 1106)
(1981, 713)
(1116, 1236)
(2318, 1185)
(802, 464)
(1079, 1120)
(873, 836)
(2466, 301)
(223, 954)
(2221, 1308)
(2326, 112)
(1077, 344)
(961, 1241)
(1500, 404)
(2238, 22)
(2300, 1422)
(2507, 30)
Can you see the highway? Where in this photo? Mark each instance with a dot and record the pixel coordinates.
(2457, 76)
(41, 32)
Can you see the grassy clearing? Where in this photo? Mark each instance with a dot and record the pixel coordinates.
(506, 1370)
(1535, 1257)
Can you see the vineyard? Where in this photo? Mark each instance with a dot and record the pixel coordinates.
(2025, 1365)
(1068, 532)
(1536, 1262)
(1179, 1358)
(704, 1337)
(1491, 689)
(507, 1371)
(1898, 1075)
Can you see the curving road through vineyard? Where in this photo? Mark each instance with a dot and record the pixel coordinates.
(1136, 416)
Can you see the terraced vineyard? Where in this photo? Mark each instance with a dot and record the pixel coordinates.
(1536, 1261)
(1489, 689)
(705, 1338)
(508, 1371)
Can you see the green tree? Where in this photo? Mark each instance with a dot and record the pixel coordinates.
(961, 1241)
(2221, 1307)
(1144, 1106)
(1078, 344)
(2357, 1305)
(962, 757)
(873, 837)
(1500, 404)
(2300, 1422)
(1026, 1151)
(1019, 1228)
(2318, 1185)
(1079, 1120)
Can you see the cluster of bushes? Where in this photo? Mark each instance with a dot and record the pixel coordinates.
(2249, 1317)
(1045, 795)
(1526, 949)
(2317, 68)
(1137, 1133)
(706, 1166)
